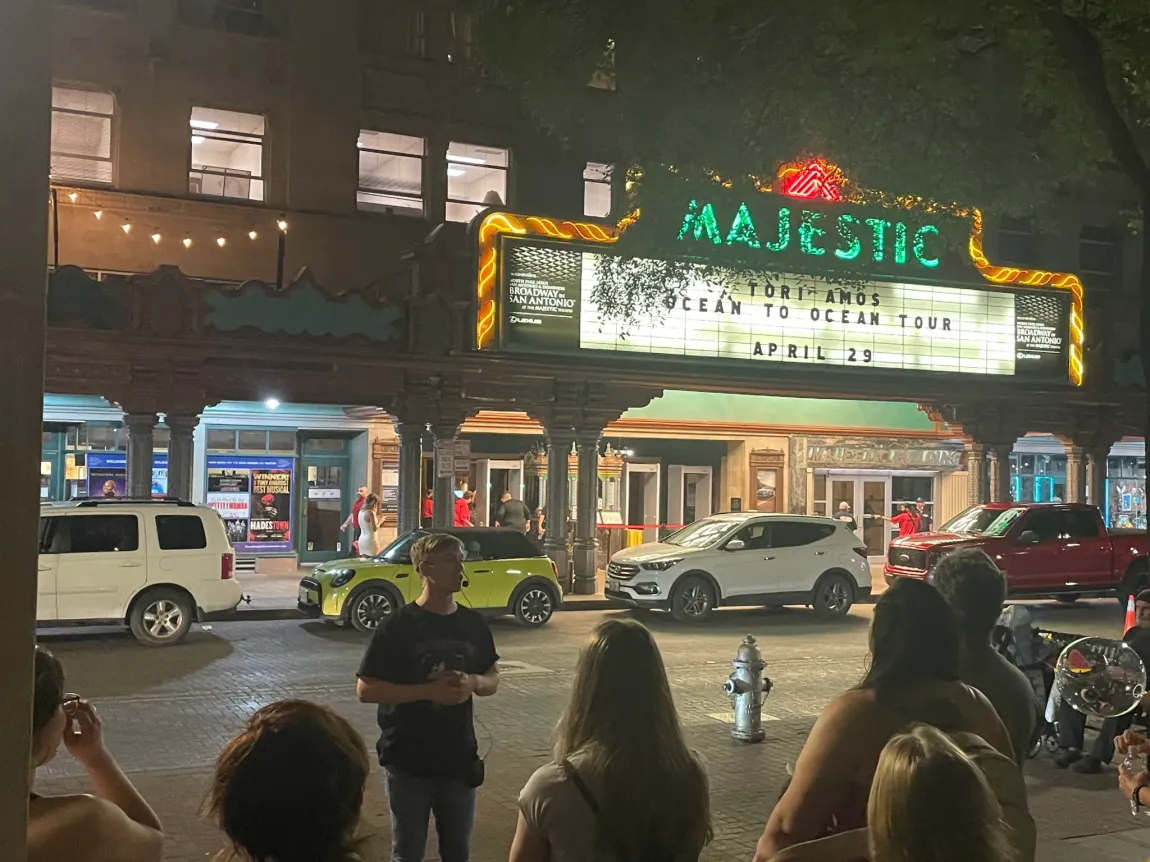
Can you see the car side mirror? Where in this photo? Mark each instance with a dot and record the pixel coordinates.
(1028, 537)
(735, 545)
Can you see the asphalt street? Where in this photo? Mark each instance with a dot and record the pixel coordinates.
(168, 712)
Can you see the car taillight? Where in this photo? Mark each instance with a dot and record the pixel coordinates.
(862, 552)
(554, 568)
(227, 566)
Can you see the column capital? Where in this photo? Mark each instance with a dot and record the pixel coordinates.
(182, 422)
(409, 430)
(141, 420)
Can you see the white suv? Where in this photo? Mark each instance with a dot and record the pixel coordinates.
(744, 558)
(152, 565)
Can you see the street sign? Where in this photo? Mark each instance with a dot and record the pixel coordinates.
(462, 455)
(444, 459)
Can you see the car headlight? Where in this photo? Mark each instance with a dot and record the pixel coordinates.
(660, 565)
(339, 577)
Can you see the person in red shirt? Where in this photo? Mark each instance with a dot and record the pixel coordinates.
(906, 521)
(428, 512)
(463, 510)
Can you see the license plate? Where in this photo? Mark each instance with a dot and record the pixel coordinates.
(306, 597)
(613, 584)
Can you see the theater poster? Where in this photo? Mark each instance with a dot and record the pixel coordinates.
(269, 521)
(253, 496)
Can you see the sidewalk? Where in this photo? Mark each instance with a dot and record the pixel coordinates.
(1130, 846)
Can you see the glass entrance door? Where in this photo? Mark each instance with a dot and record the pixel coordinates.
(326, 503)
(868, 500)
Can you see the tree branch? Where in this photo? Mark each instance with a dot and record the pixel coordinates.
(1080, 50)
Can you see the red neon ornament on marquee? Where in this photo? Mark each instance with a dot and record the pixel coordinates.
(811, 182)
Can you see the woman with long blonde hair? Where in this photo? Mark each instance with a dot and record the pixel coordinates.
(623, 785)
(930, 802)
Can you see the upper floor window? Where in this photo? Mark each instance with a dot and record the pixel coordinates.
(227, 154)
(472, 173)
(603, 78)
(460, 37)
(417, 30)
(390, 172)
(1100, 256)
(82, 135)
(597, 190)
(245, 17)
(1018, 244)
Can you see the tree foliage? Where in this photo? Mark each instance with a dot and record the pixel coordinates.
(1004, 104)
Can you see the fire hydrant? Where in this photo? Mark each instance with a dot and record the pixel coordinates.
(747, 687)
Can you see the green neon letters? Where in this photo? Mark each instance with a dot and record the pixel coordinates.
(886, 241)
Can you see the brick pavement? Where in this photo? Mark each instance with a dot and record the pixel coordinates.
(167, 713)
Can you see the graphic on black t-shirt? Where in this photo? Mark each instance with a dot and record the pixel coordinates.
(413, 647)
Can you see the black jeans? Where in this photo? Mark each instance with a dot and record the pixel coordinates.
(1072, 729)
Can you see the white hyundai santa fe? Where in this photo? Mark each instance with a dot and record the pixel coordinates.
(744, 558)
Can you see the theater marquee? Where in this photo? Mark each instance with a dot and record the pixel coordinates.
(548, 305)
(537, 278)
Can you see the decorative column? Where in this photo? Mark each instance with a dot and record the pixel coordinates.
(1000, 472)
(410, 486)
(25, 96)
(1075, 474)
(180, 454)
(978, 474)
(586, 545)
(444, 492)
(140, 428)
(559, 441)
(1096, 456)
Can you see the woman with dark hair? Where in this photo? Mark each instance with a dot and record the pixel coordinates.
(912, 677)
(290, 787)
(114, 823)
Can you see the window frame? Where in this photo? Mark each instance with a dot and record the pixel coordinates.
(113, 131)
(241, 138)
(465, 160)
(418, 211)
(590, 183)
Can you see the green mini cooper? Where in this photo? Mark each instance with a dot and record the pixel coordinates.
(503, 571)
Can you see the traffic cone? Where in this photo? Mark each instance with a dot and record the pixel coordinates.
(1131, 619)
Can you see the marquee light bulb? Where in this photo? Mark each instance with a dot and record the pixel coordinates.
(221, 241)
(72, 196)
(156, 237)
(99, 214)
(282, 225)
(126, 227)
(187, 242)
(253, 235)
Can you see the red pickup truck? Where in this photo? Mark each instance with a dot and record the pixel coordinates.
(1059, 550)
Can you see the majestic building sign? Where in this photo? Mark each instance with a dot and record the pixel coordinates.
(548, 305)
(840, 285)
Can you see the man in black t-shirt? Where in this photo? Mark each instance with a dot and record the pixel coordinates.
(512, 513)
(422, 667)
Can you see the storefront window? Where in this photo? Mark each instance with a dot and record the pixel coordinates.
(908, 490)
(253, 496)
(253, 441)
(820, 500)
(1126, 492)
(281, 441)
(1038, 478)
(221, 440)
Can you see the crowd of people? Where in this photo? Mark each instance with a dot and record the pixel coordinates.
(919, 762)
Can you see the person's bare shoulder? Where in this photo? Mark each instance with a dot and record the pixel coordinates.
(84, 828)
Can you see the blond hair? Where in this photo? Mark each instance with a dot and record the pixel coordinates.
(436, 543)
(931, 803)
(621, 726)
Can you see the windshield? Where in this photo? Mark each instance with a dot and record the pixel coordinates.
(982, 521)
(399, 551)
(701, 533)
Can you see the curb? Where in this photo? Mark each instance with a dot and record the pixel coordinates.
(290, 613)
(598, 604)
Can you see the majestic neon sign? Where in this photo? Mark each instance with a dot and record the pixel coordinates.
(815, 233)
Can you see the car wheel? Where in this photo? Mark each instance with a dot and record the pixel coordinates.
(833, 595)
(370, 607)
(534, 606)
(1135, 581)
(1067, 598)
(162, 617)
(693, 600)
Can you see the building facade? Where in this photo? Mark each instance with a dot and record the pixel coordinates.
(269, 285)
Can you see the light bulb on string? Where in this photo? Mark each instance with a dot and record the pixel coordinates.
(187, 242)
(221, 241)
(72, 196)
(156, 237)
(282, 225)
(99, 214)
(253, 235)
(126, 227)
